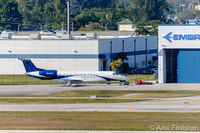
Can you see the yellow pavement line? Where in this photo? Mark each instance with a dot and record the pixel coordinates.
(186, 103)
(198, 111)
(60, 109)
(130, 109)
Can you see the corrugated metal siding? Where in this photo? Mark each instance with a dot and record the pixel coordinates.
(188, 66)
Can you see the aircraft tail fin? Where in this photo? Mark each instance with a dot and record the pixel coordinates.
(29, 66)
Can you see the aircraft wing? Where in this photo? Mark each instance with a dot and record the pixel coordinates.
(74, 79)
(83, 78)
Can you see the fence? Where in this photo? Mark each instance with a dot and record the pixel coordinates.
(25, 80)
(22, 80)
(147, 77)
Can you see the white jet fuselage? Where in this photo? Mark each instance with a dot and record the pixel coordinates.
(84, 76)
(70, 76)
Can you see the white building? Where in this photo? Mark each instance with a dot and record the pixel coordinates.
(75, 55)
(179, 53)
(126, 25)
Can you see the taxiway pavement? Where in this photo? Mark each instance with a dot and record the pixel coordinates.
(51, 89)
(157, 105)
(184, 104)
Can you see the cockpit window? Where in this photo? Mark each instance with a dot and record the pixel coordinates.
(115, 74)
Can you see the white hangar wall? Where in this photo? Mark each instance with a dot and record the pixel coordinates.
(75, 55)
(71, 55)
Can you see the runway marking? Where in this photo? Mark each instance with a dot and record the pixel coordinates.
(186, 103)
(60, 109)
(198, 111)
(130, 110)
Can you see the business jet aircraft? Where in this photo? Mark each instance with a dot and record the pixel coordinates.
(70, 77)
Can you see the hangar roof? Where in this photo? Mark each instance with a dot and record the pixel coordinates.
(62, 37)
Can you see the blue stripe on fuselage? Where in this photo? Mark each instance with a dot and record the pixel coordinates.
(60, 77)
(48, 78)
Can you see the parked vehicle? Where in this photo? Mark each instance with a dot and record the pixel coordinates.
(142, 71)
(8, 31)
(145, 71)
(61, 31)
(133, 71)
(155, 70)
(47, 32)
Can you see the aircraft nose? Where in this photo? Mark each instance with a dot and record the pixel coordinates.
(124, 78)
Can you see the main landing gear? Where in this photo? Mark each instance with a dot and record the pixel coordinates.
(121, 83)
(108, 83)
(124, 83)
(68, 84)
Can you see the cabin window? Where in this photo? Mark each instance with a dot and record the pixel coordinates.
(115, 74)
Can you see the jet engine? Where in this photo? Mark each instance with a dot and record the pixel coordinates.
(49, 73)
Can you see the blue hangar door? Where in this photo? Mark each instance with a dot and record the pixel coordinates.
(188, 66)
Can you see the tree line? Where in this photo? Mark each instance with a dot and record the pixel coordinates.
(86, 14)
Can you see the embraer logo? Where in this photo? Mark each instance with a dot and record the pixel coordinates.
(170, 36)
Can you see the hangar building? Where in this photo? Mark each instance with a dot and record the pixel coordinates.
(74, 54)
(179, 54)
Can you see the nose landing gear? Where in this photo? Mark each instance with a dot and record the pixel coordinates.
(125, 83)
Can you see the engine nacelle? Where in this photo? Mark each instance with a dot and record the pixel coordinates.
(49, 73)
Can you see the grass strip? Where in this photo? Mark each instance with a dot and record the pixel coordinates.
(66, 101)
(117, 93)
(99, 121)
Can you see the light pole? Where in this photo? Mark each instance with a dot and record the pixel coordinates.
(68, 17)
(19, 27)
